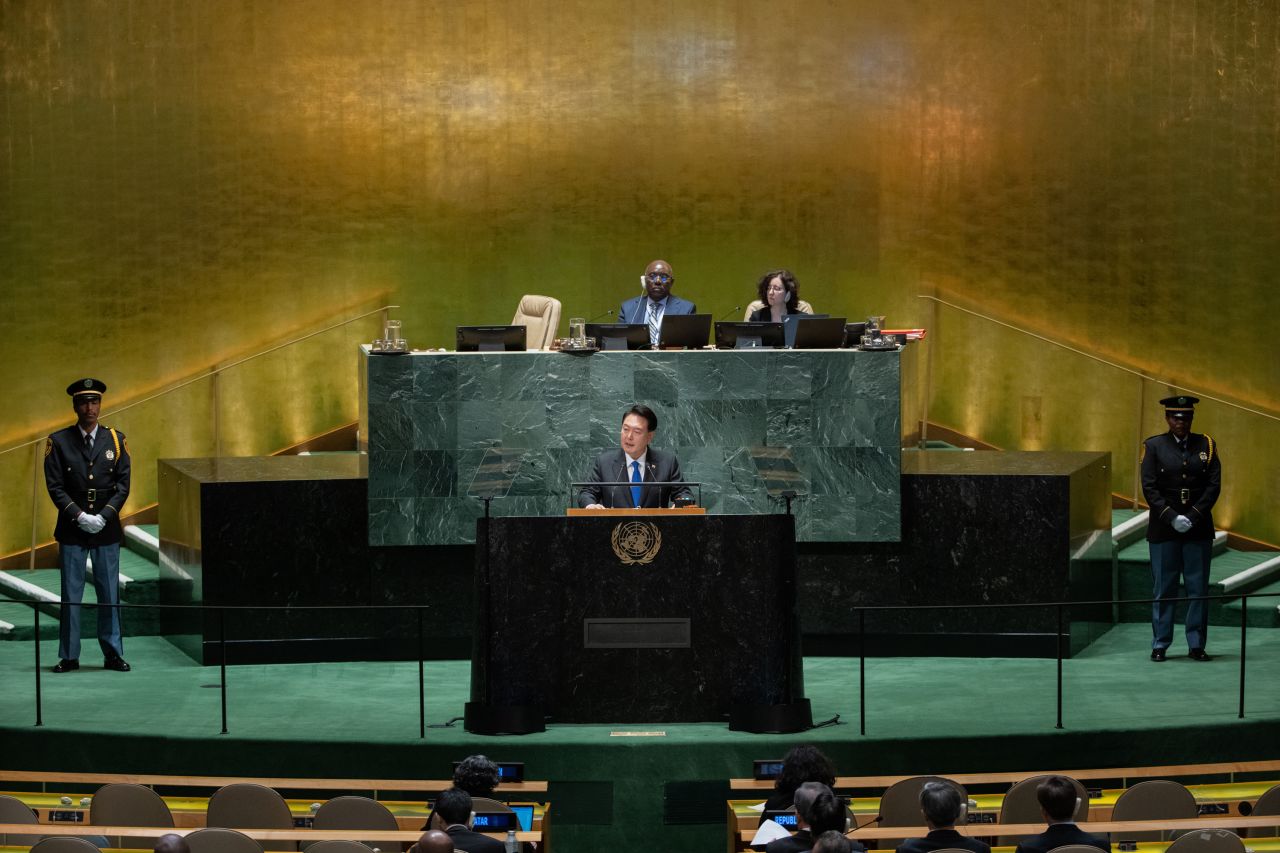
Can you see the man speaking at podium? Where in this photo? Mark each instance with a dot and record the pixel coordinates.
(635, 462)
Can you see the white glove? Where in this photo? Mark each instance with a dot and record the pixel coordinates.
(1182, 524)
(83, 519)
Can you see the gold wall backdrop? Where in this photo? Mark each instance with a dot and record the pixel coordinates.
(183, 182)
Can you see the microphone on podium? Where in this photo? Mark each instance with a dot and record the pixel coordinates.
(734, 310)
(603, 313)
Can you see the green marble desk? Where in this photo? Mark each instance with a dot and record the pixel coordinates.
(834, 416)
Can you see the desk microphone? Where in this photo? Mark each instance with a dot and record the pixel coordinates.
(734, 310)
(875, 819)
(603, 313)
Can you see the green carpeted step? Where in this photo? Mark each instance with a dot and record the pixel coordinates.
(1134, 581)
(1120, 516)
(1264, 612)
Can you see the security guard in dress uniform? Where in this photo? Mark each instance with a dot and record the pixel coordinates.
(86, 468)
(1181, 479)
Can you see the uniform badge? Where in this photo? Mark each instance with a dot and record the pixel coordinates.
(88, 383)
(1204, 457)
(110, 454)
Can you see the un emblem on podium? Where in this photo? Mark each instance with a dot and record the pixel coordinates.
(636, 542)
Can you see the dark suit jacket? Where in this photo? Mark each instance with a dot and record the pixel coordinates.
(1059, 834)
(69, 473)
(1167, 469)
(800, 842)
(612, 465)
(942, 839)
(635, 311)
(764, 315)
(474, 842)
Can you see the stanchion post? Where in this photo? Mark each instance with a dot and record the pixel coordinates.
(35, 608)
(222, 664)
(1058, 640)
(1244, 622)
(422, 693)
(862, 672)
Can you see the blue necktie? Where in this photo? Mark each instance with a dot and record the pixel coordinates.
(635, 478)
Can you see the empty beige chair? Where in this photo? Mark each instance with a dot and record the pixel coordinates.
(1157, 799)
(343, 847)
(63, 844)
(1021, 805)
(1208, 841)
(1268, 804)
(900, 805)
(245, 805)
(127, 804)
(13, 810)
(356, 813)
(801, 306)
(540, 315)
(219, 840)
(485, 804)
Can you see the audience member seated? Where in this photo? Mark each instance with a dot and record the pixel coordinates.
(833, 842)
(476, 775)
(172, 843)
(818, 810)
(453, 807)
(1058, 803)
(433, 841)
(804, 763)
(942, 805)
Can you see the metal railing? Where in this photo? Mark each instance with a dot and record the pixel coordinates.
(859, 615)
(210, 374)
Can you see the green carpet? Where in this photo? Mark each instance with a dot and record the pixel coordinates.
(923, 715)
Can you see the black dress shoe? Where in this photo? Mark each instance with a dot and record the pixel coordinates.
(1198, 654)
(1158, 655)
(65, 665)
(117, 664)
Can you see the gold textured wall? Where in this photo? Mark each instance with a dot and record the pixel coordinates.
(186, 181)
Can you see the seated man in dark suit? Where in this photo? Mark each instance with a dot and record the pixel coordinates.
(657, 301)
(454, 809)
(942, 805)
(834, 842)
(636, 462)
(818, 811)
(1058, 803)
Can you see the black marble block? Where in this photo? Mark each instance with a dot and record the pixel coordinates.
(982, 527)
(258, 534)
(732, 577)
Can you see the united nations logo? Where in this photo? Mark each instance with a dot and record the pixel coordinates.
(636, 542)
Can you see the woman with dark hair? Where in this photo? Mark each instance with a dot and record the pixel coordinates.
(779, 296)
(477, 775)
(802, 764)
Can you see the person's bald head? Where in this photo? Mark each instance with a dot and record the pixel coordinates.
(172, 843)
(435, 841)
(658, 278)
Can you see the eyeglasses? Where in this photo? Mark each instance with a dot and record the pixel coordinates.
(658, 278)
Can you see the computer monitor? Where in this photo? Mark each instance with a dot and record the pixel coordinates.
(820, 333)
(748, 335)
(524, 814)
(766, 768)
(687, 331)
(495, 821)
(491, 338)
(619, 335)
(791, 322)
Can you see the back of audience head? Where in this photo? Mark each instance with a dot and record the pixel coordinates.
(826, 813)
(832, 842)
(941, 803)
(171, 842)
(805, 763)
(476, 775)
(454, 807)
(1058, 799)
(434, 841)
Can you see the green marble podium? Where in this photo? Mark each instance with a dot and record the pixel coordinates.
(823, 423)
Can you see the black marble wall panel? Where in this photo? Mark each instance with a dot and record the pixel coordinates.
(432, 417)
(547, 575)
(273, 532)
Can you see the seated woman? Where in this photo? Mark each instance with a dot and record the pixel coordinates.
(803, 763)
(779, 296)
